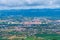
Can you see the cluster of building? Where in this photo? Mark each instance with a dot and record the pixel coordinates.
(31, 25)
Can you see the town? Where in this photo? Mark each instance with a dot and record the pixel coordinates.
(22, 28)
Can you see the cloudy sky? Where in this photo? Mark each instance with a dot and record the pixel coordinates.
(24, 4)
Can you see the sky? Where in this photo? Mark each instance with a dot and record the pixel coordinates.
(28, 4)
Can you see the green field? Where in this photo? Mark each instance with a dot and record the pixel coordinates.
(37, 37)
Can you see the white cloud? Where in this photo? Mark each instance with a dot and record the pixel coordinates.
(18, 4)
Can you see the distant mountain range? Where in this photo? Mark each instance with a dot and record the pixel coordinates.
(32, 12)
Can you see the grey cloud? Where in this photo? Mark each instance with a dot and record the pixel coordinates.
(19, 3)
